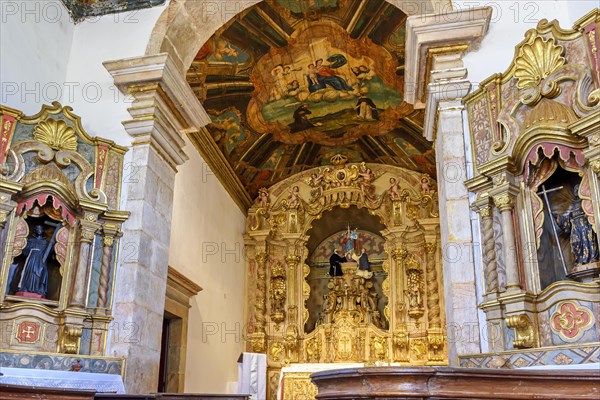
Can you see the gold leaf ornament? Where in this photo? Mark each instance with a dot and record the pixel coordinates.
(536, 61)
(56, 134)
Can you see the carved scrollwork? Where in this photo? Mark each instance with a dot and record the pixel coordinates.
(278, 292)
(525, 332)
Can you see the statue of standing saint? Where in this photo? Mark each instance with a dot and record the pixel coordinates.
(34, 279)
(584, 243)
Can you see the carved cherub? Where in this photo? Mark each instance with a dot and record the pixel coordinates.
(263, 198)
(425, 184)
(366, 184)
(316, 182)
(394, 189)
(294, 197)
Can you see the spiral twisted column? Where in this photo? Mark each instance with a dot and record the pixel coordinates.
(108, 241)
(489, 250)
(433, 290)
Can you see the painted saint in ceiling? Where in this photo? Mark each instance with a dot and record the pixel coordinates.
(289, 83)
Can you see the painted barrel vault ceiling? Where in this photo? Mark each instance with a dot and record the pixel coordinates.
(290, 83)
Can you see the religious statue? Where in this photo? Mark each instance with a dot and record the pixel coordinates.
(34, 278)
(584, 242)
(335, 266)
(394, 189)
(349, 242)
(364, 267)
(263, 198)
(294, 197)
(366, 185)
(316, 182)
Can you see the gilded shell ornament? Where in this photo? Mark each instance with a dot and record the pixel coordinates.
(536, 61)
(56, 134)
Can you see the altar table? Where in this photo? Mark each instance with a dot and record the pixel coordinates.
(101, 383)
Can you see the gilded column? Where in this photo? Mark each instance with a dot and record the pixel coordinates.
(86, 237)
(292, 263)
(399, 255)
(259, 345)
(505, 202)
(489, 250)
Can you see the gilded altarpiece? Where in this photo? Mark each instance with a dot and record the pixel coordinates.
(59, 227)
(350, 328)
(535, 135)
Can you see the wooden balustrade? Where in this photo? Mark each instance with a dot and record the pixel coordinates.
(429, 383)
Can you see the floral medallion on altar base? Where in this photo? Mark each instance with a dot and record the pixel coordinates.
(59, 228)
(392, 314)
(536, 149)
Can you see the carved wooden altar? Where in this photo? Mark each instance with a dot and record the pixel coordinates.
(535, 129)
(351, 328)
(55, 176)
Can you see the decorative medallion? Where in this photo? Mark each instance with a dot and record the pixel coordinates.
(28, 332)
(571, 321)
(56, 134)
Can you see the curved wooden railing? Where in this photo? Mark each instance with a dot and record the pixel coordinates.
(429, 383)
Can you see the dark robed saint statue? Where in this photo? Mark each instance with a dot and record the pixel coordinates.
(335, 266)
(34, 278)
(584, 242)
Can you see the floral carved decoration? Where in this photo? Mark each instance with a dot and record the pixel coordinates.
(570, 321)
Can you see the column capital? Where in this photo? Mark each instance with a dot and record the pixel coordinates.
(504, 201)
(164, 105)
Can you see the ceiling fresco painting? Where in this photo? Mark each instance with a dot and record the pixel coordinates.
(290, 83)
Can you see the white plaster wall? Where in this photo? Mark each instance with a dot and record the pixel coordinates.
(99, 39)
(207, 247)
(35, 46)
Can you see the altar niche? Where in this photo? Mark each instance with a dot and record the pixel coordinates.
(566, 240)
(37, 272)
(362, 233)
(60, 223)
(535, 139)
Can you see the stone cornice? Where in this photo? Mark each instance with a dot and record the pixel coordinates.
(164, 105)
(425, 32)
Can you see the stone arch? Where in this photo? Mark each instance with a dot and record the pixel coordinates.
(185, 25)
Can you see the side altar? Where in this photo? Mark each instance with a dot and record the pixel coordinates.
(535, 135)
(60, 224)
(378, 299)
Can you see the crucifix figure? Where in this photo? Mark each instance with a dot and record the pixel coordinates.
(544, 192)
